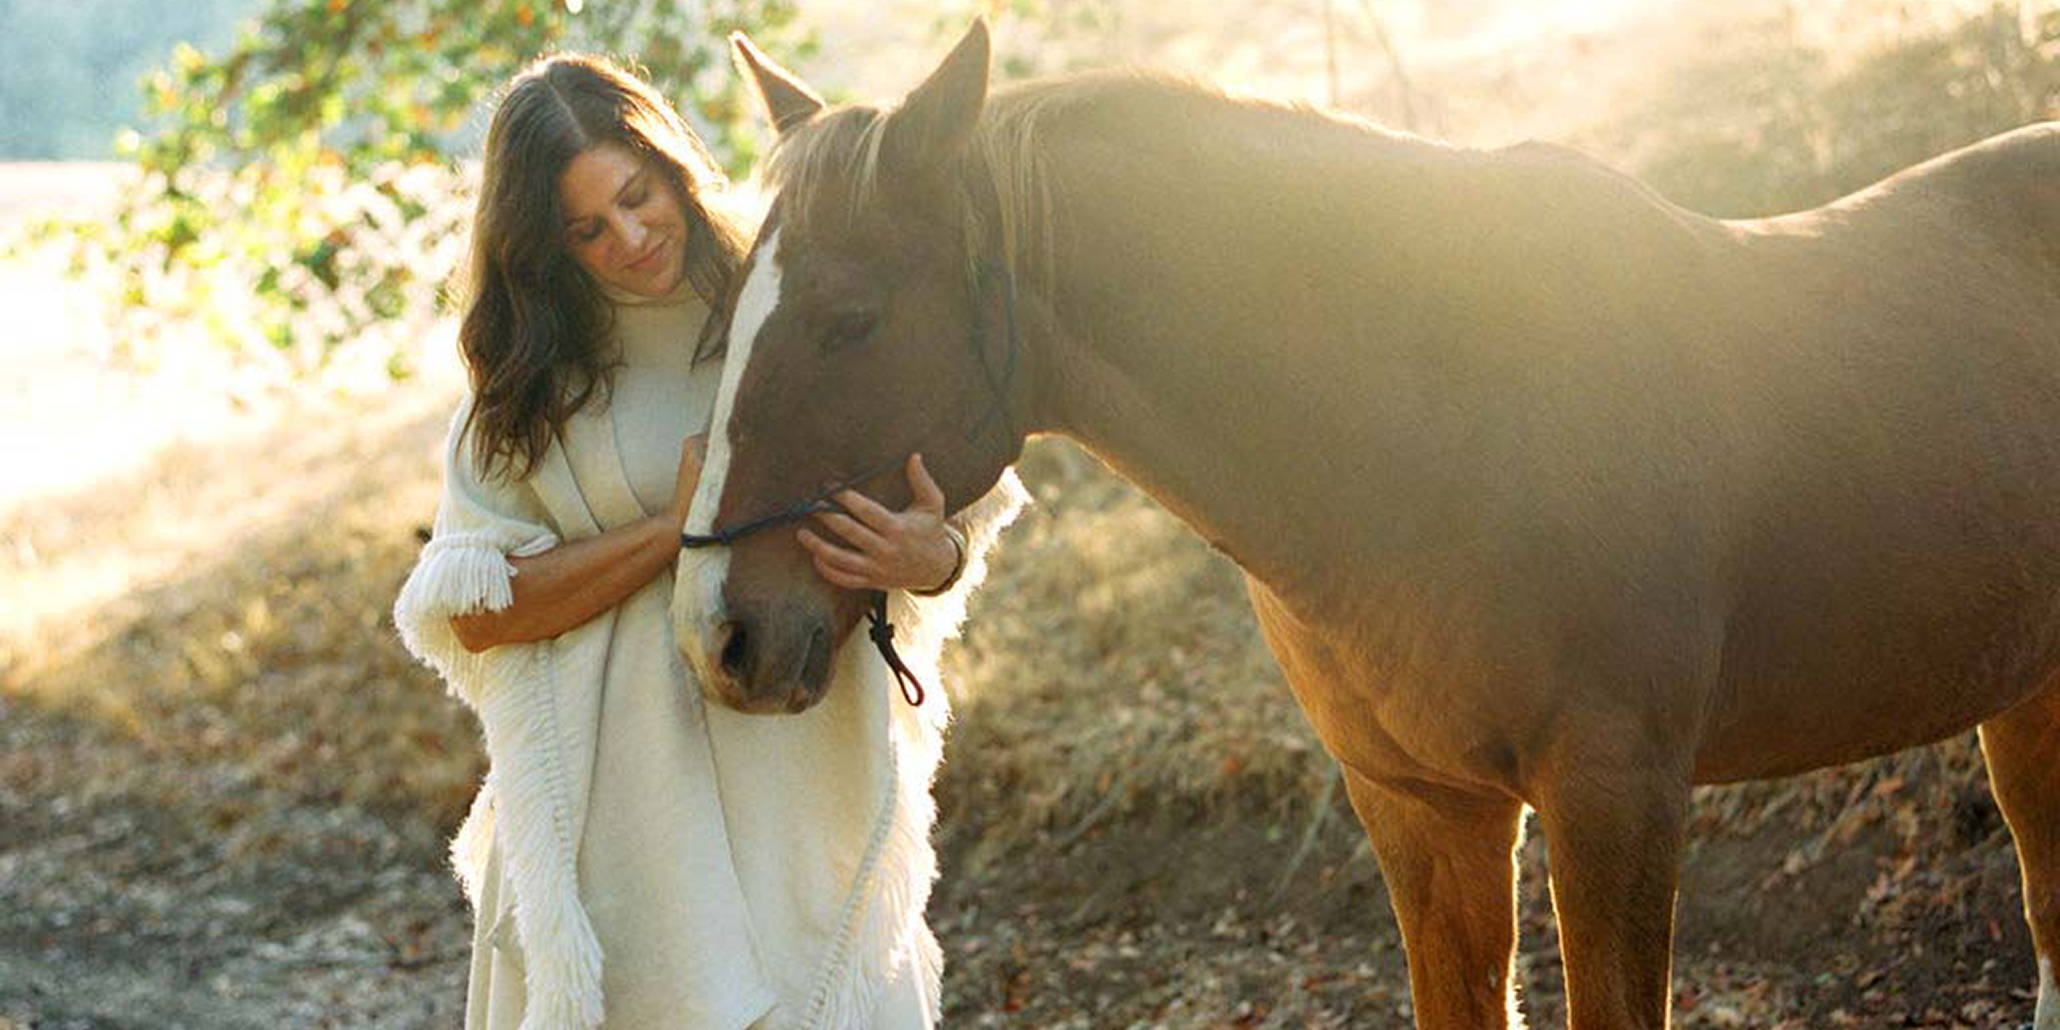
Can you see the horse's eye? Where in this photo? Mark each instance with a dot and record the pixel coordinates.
(851, 329)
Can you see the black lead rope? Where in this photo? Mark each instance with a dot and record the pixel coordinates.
(794, 513)
(879, 629)
(778, 518)
(882, 633)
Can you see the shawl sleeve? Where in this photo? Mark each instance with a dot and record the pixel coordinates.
(481, 522)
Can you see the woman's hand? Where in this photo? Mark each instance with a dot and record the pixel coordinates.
(691, 454)
(883, 549)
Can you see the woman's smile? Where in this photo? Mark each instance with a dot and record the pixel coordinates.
(645, 262)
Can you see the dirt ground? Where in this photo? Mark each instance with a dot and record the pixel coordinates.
(223, 793)
(172, 895)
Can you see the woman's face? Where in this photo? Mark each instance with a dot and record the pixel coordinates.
(622, 223)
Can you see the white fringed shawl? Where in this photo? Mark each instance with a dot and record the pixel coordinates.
(528, 699)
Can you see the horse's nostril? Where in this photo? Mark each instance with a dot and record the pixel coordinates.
(735, 655)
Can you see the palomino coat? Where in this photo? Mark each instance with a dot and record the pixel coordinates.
(812, 831)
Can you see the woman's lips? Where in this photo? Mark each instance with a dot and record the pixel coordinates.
(642, 264)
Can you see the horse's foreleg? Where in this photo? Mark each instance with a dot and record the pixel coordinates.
(2023, 751)
(1613, 833)
(1451, 876)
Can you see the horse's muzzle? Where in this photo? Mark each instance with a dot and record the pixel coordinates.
(767, 662)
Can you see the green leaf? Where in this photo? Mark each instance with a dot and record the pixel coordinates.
(255, 153)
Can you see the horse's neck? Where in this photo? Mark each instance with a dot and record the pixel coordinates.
(1258, 481)
(1239, 358)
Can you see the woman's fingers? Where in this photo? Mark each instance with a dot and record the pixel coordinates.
(853, 533)
(924, 492)
(844, 567)
(851, 561)
(838, 577)
(883, 548)
(877, 517)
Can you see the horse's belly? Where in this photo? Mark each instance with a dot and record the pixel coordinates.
(1766, 749)
(1893, 588)
(1822, 708)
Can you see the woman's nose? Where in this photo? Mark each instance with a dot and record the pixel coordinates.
(630, 231)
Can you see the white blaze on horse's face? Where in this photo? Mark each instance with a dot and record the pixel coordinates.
(697, 606)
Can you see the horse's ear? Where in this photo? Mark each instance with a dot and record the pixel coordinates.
(938, 117)
(788, 100)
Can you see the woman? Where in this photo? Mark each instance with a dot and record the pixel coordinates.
(630, 853)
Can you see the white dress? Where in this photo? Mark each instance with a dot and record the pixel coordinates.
(731, 871)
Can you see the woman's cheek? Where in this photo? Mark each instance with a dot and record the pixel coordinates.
(588, 255)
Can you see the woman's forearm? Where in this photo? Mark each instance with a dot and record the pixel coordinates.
(571, 583)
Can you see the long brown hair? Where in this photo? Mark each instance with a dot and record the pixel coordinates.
(536, 329)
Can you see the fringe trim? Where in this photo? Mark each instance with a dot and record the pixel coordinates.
(930, 966)
(523, 809)
(523, 805)
(532, 825)
(469, 847)
(458, 574)
(881, 935)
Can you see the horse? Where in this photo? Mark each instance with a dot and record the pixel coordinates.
(1549, 493)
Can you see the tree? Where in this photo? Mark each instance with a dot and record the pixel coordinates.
(304, 190)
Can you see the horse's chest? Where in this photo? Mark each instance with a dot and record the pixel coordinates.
(1396, 701)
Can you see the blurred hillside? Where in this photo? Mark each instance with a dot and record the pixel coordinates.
(223, 786)
(73, 71)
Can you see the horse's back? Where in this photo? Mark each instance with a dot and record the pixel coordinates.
(1952, 261)
(2009, 185)
(1999, 197)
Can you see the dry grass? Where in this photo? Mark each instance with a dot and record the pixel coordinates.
(1112, 662)
(228, 606)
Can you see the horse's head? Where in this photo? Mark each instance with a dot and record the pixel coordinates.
(864, 326)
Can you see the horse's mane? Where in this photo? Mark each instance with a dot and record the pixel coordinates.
(834, 160)
(1339, 167)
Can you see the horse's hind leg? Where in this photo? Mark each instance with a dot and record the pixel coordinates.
(1449, 863)
(2023, 750)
